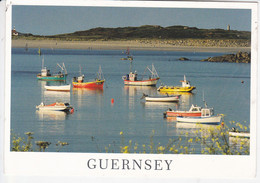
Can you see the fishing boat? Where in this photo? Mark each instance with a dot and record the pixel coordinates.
(206, 116)
(128, 57)
(97, 83)
(186, 87)
(131, 78)
(240, 134)
(47, 76)
(193, 111)
(58, 88)
(166, 98)
(57, 106)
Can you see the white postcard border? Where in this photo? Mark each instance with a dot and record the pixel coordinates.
(63, 164)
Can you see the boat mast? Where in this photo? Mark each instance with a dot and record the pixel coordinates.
(153, 72)
(42, 62)
(100, 74)
(79, 70)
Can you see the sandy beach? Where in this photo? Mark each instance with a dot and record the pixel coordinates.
(118, 45)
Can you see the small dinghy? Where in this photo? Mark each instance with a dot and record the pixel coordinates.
(166, 98)
(58, 88)
(57, 106)
(240, 134)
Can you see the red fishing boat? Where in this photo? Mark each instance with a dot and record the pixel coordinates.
(98, 82)
(193, 111)
(131, 78)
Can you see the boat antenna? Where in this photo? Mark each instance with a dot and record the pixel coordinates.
(80, 70)
(42, 61)
(205, 103)
(131, 65)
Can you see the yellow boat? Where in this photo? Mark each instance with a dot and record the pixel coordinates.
(186, 87)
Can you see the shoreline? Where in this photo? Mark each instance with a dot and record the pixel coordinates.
(119, 45)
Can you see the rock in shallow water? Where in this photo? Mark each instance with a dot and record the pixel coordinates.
(240, 57)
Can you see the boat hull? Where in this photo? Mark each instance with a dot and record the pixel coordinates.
(182, 113)
(149, 82)
(202, 120)
(54, 107)
(176, 89)
(52, 78)
(239, 134)
(58, 88)
(162, 99)
(94, 84)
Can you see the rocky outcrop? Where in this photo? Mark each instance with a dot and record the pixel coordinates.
(183, 59)
(240, 57)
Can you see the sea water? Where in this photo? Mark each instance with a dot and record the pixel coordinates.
(97, 123)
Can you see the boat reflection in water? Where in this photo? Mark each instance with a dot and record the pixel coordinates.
(87, 91)
(81, 96)
(194, 129)
(139, 90)
(51, 115)
(53, 96)
(134, 93)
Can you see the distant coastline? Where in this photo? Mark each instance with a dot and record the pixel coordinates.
(124, 44)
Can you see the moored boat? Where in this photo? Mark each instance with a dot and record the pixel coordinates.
(47, 76)
(193, 111)
(128, 57)
(167, 98)
(239, 134)
(131, 78)
(58, 88)
(56, 106)
(98, 82)
(186, 87)
(205, 118)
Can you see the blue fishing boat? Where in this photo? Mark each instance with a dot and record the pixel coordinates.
(47, 76)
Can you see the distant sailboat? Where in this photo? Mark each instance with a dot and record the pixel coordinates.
(128, 57)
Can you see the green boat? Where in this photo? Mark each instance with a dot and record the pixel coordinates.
(45, 74)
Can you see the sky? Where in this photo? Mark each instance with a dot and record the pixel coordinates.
(51, 20)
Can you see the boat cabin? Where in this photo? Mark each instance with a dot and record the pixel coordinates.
(207, 112)
(79, 79)
(195, 108)
(185, 83)
(45, 72)
(132, 76)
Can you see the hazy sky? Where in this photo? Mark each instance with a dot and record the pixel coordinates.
(44, 20)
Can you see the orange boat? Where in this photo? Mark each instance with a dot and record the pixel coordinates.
(78, 82)
(193, 111)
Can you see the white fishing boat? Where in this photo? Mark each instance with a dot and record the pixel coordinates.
(206, 117)
(133, 80)
(239, 134)
(57, 106)
(202, 119)
(58, 88)
(166, 98)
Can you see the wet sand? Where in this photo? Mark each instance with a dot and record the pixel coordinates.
(118, 45)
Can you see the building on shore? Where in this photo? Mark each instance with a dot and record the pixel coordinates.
(14, 32)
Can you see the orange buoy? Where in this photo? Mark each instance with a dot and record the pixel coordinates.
(112, 101)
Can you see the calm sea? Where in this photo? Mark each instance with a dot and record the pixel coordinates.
(97, 122)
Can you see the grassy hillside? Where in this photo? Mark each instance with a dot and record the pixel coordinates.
(148, 32)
